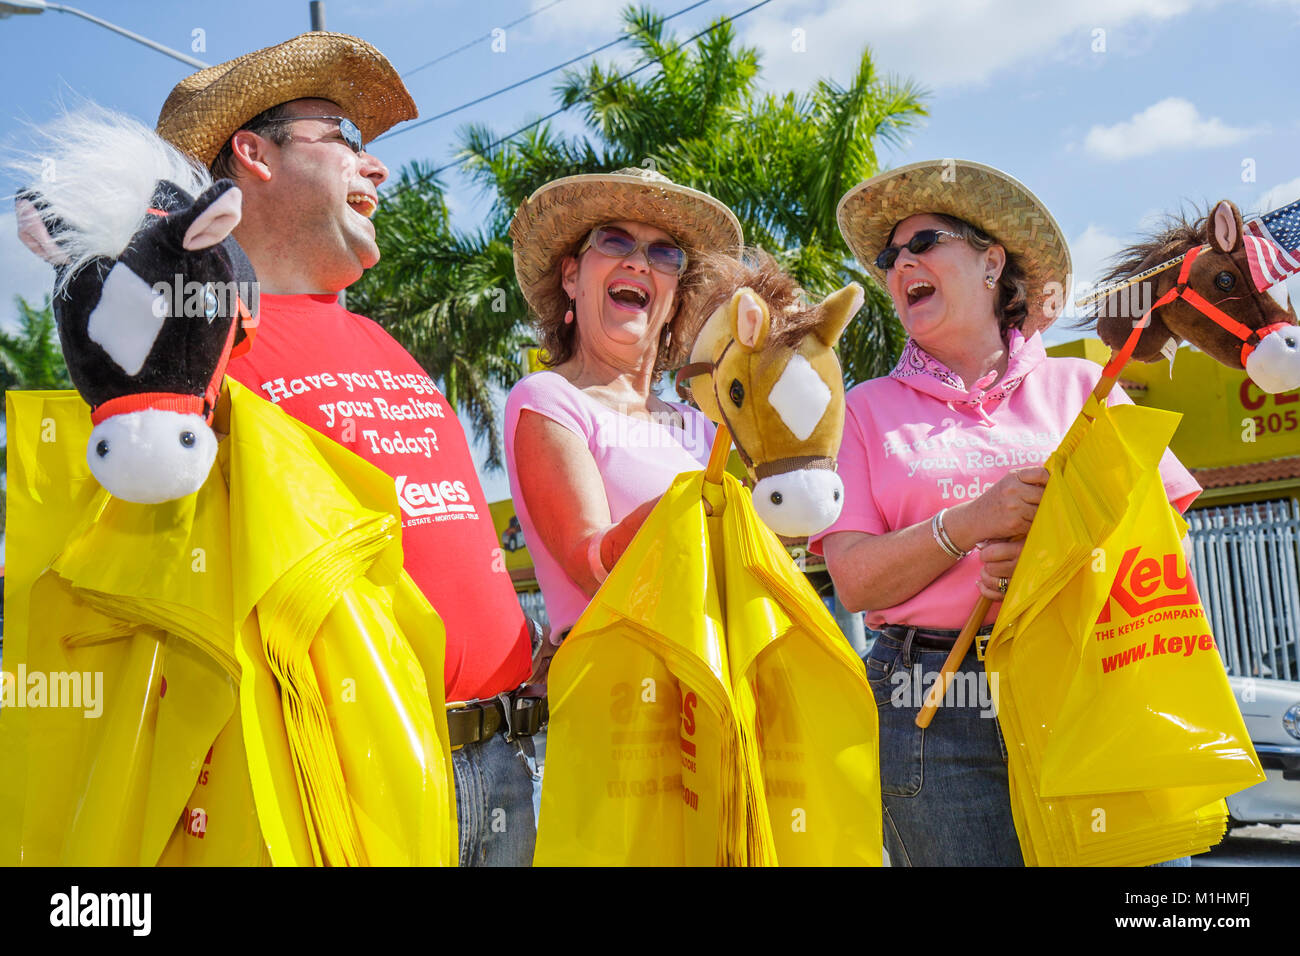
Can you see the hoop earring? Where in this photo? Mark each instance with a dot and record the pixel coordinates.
(568, 316)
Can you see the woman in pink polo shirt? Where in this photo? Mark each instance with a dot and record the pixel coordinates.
(942, 467)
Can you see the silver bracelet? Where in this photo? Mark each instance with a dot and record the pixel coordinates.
(941, 537)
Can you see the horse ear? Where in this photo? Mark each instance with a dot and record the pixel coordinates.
(1225, 227)
(212, 217)
(840, 306)
(749, 320)
(34, 234)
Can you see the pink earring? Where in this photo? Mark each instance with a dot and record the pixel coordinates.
(568, 316)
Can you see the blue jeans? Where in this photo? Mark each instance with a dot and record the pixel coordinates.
(494, 802)
(946, 796)
(945, 788)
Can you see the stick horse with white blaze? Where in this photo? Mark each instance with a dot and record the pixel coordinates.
(125, 219)
(777, 388)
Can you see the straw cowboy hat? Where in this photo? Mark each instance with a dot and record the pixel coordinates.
(552, 222)
(204, 110)
(980, 195)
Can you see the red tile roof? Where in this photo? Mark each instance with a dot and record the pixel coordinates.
(1249, 474)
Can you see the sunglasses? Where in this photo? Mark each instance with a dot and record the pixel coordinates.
(923, 241)
(616, 243)
(347, 129)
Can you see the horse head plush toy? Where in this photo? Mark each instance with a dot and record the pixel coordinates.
(764, 366)
(1209, 285)
(152, 294)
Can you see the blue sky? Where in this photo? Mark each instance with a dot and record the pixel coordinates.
(1111, 111)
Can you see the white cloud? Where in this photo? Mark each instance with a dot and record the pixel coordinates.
(1088, 256)
(1090, 252)
(567, 29)
(1279, 195)
(1172, 124)
(576, 19)
(21, 273)
(937, 42)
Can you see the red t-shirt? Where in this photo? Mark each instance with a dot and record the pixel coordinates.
(346, 377)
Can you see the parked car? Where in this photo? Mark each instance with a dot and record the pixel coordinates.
(1272, 712)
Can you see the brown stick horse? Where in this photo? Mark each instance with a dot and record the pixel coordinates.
(764, 368)
(1210, 300)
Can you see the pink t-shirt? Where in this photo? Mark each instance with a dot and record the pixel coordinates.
(918, 440)
(637, 460)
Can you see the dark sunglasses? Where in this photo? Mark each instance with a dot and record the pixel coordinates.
(923, 241)
(347, 129)
(616, 243)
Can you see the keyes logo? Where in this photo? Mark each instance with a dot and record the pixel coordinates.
(1146, 585)
(419, 498)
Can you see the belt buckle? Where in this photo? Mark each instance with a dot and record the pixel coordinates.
(508, 707)
(448, 708)
(981, 642)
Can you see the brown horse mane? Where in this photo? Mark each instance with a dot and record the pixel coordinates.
(1169, 240)
(792, 317)
(1174, 237)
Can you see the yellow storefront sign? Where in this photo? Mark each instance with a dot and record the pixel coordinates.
(1236, 422)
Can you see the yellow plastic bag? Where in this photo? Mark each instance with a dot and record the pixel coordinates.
(706, 709)
(218, 825)
(278, 588)
(1120, 750)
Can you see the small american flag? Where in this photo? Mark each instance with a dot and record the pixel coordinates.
(1273, 245)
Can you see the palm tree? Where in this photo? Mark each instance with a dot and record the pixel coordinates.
(29, 358)
(781, 162)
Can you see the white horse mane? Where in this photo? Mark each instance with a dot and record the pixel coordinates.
(95, 171)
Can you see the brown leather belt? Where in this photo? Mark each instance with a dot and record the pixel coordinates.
(469, 722)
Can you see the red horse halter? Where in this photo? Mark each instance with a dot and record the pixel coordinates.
(1250, 338)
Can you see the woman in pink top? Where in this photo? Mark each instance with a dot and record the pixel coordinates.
(942, 468)
(610, 265)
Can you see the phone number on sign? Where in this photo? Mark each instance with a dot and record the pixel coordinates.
(1275, 422)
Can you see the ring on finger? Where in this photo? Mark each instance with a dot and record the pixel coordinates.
(1002, 585)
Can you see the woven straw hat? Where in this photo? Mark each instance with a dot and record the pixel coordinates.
(204, 110)
(552, 222)
(980, 195)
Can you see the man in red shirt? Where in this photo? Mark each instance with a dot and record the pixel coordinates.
(288, 124)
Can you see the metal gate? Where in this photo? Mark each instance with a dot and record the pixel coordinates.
(1245, 560)
(533, 605)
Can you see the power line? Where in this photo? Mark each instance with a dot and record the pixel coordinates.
(477, 40)
(586, 96)
(536, 76)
